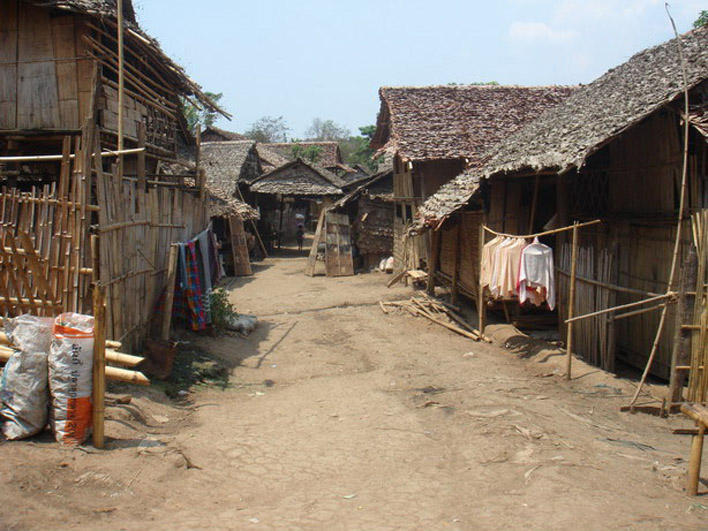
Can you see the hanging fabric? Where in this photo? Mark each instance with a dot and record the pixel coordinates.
(536, 275)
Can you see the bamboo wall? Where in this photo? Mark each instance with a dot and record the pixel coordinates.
(42, 83)
(136, 228)
(459, 251)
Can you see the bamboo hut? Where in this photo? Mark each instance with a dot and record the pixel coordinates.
(70, 96)
(434, 133)
(614, 151)
(230, 165)
(299, 190)
(370, 210)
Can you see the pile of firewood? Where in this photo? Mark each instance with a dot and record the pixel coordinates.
(437, 311)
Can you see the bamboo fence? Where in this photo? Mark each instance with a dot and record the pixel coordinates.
(47, 260)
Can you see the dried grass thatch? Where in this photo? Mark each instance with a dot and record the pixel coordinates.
(299, 178)
(566, 135)
(229, 163)
(456, 121)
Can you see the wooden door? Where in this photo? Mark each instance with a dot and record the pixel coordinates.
(338, 255)
(239, 247)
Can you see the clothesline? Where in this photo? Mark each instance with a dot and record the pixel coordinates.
(545, 233)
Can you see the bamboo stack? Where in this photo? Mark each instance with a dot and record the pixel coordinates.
(698, 376)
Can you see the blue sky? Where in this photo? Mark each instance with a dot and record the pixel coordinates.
(325, 58)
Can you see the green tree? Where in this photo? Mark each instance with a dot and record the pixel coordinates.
(203, 117)
(357, 149)
(702, 19)
(268, 129)
(326, 130)
(309, 153)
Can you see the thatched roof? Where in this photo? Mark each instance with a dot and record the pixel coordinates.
(107, 9)
(214, 134)
(228, 163)
(298, 178)
(456, 121)
(269, 159)
(223, 203)
(379, 186)
(565, 136)
(329, 155)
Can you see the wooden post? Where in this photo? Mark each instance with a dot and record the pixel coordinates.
(571, 301)
(280, 224)
(694, 464)
(534, 203)
(140, 166)
(435, 243)
(458, 256)
(170, 294)
(99, 364)
(481, 310)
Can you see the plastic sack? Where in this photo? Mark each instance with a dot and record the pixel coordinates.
(244, 324)
(71, 378)
(24, 392)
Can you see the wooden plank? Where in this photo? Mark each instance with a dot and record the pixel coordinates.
(98, 392)
(338, 254)
(312, 258)
(66, 75)
(239, 247)
(37, 95)
(8, 72)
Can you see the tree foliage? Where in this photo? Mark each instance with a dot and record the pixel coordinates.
(702, 19)
(326, 130)
(357, 150)
(196, 116)
(309, 153)
(268, 129)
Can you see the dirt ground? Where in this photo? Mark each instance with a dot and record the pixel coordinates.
(336, 416)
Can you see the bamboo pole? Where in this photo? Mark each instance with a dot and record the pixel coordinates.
(51, 158)
(694, 464)
(571, 302)
(121, 84)
(99, 364)
(545, 233)
(480, 288)
(621, 307)
(679, 223)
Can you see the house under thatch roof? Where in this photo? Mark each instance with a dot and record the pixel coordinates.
(565, 136)
(214, 134)
(456, 121)
(329, 154)
(269, 158)
(298, 179)
(229, 163)
(224, 204)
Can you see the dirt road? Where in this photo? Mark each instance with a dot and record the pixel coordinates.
(337, 416)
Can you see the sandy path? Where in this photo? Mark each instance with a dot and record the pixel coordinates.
(339, 417)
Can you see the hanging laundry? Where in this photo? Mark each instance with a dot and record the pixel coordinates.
(202, 241)
(536, 275)
(188, 298)
(500, 266)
